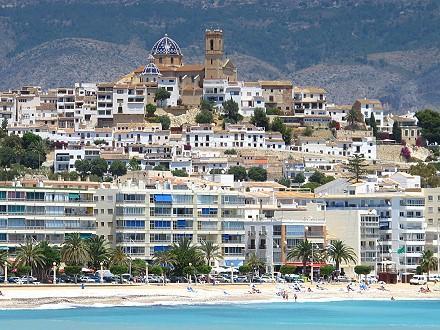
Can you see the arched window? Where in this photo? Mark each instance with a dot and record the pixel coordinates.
(211, 42)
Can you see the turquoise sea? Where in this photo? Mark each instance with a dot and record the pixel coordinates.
(417, 314)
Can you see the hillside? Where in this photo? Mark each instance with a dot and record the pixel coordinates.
(383, 48)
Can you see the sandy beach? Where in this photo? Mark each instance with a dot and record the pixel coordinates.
(68, 296)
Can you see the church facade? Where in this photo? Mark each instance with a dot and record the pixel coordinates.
(167, 69)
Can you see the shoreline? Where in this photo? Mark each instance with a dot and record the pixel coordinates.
(96, 296)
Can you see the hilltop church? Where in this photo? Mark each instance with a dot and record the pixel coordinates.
(167, 69)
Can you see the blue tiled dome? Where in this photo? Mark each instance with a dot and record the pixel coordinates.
(151, 68)
(166, 46)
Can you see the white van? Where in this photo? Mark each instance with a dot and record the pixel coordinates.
(418, 280)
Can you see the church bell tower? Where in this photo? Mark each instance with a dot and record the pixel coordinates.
(214, 54)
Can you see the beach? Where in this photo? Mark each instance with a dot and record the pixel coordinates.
(96, 295)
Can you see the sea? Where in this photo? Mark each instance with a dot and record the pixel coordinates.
(329, 315)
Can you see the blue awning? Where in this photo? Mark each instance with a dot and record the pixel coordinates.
(181, 223)
(4, 248)
(161, 248)
(163, 198)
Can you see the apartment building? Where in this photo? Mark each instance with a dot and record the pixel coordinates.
(277, 94)
(44, 213)
(370, 106)
(401, 221)
(148, 217)
(432, 215)
(309, 101)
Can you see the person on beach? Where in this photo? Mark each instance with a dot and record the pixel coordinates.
(295, 297)
(1, 293)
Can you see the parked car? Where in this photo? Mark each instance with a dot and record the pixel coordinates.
(86, 279)
(28, 279)
(418, 280)
(434, 278)
(14, 279)
(343, 278)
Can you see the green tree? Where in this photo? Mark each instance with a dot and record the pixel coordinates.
(118, 168)
(99, 142)
(83, 167)
(357, 167)
(429, 121)
(211, 251)
(119, 269)
(165, 260)
(230, 152)
(326, 270)
(255, 263)
(134, 164)
(161, 95)
(204, 117)
(51, 254)
(354, 117)
(338, 251)
(138, 267)
(363, 269)
(184, 253)
(150, 109)
(372, 123)
(428, 261)
(257, 174)
(74, 250)
(155, 270)
(287, 135)
(179, 172)
(231, 114)
(308, 131)
(204, 269)
(284, 181)
(260, 119)
(98, 167)
(118, 257)
(3, 257)
(206, 105)
(397, 132)
(427, 173)
(30, 255)
(98, 251)
(301, 252)
(239, 173)
(299, 178)
(165, 121)
(277, 125)
(287, 269)
(160, 168)
(245, 269)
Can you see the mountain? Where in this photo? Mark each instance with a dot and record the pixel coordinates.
(387, 49)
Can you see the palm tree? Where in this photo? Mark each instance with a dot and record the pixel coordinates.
(338, 252)
(255, 263)
(303, 252)
(118, 257)
(30, 255)
(3, 257)
(428, 261)
(74, 250)
(211, 251)
(98, 250)
(184, 253)
(165, 260)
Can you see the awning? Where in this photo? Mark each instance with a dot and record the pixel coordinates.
(163, 198)
(4, 248)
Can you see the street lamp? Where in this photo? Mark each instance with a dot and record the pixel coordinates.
(190, 271)
(54, 272)
(232, 273)
(146, 273)
(102, 272)
(6, 272)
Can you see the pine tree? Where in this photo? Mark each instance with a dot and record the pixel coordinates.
(397, 132)
(373, 125)
(357, 167)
